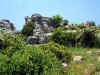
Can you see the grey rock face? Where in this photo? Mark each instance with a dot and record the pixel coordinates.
(32, 40)
(44, 25)
(5, 24)
(89, 23)
(27, 19)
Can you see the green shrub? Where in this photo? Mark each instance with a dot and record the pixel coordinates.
(4, 64)
(84, 36)
(28, 28)
(81, 26)
(10, 44)
(14, 41)
(61, 52)
(58, 36)
(57, 20)
(4, 40)
(65, 22)
(62, 37)
(30, 61)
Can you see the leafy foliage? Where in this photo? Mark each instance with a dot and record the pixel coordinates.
(77, 35)
(59, 36)
(18, 58)
(11, 41)
(31, 61)
(28, 28)
(61, 52)
(90, 38)
(65, 22)
(57, 20)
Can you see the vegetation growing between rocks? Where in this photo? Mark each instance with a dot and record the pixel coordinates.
(28, 28)
(58, 20)
(82, 35)
(19, 58)
(67, 41)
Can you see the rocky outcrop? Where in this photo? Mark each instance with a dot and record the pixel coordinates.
(89, 23)
(7, 25)
(44, 27)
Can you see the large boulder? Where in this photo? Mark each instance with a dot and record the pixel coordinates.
(43, 27)
(5, 24)
(89, 23)
(32, 40)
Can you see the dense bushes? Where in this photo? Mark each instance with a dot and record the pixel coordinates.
(15, 41)
(58, 36)
(62, 37)
(77, 35)
(61, 52)
(90, 38)
(58, 20)
(31, 61)
(18, 58)
(28, 28)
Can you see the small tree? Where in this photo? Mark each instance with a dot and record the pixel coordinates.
(28, 28)
(65, 22)
(57, 20)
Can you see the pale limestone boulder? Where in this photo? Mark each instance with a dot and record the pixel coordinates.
(65, 65)
(77, 58)
(98, 59)
(89, 52)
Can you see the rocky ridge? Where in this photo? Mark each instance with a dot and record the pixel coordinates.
(7, 25)
(44, 27)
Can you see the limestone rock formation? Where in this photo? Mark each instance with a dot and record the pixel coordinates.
(7, 25)
(89, 23)
(44, 26)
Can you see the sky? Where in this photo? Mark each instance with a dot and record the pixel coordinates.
(75, 11)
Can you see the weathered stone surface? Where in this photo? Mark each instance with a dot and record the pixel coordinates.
(27, 19)
(89, 52)
(38, 39)
(43, 27)
(77, 58)
(32, 40)
(18, 32)
(6, 25)
(65, 65)
(89, 23)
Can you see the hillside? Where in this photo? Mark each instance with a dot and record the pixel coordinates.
(50, 46)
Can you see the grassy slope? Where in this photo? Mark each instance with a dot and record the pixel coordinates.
(89, 65)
